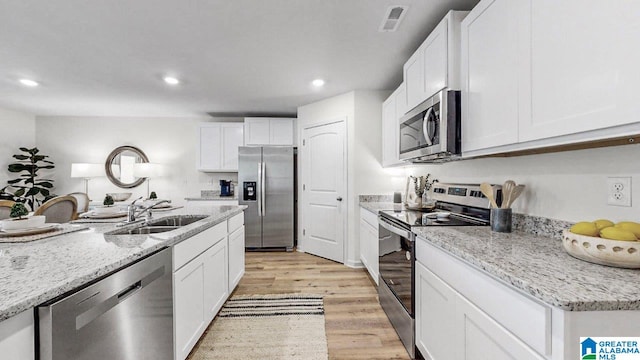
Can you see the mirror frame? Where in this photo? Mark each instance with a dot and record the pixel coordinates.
(117, 151)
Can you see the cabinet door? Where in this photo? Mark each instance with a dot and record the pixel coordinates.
(17, 336)
(189, 306)
(209, 156)
(414, 79)
(490, 75)
(435, 54)
(281, 132)
(435, 316)
(389, 133)
(256, 131)
(586, 78)
(401, 103)
(236, 258)
(232, 137)
(215, 279)
(484, 338)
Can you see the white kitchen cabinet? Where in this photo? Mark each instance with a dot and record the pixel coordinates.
(269, 131)
(369, 242)
(435, 64)
(218, 146)
(392, 110)
(236, 250)
(526, 87)
(585, 79)
(490, 96)
(200, 285)
(17, 336)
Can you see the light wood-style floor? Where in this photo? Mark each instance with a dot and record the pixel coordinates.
(356, 325)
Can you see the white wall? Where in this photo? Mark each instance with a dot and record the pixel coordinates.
(167, 141)
(18, 130)
(362, 111)
(567, 186)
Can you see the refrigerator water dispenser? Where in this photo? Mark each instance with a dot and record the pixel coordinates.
(249, 193)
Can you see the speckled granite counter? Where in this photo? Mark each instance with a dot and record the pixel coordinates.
(213, 198)
(32, 273)
(374, 207)
(539, 266)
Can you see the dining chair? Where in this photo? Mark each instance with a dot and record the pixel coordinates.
(82, 199)
(60, 209)
(5, 208)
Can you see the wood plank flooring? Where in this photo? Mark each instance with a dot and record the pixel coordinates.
(356, 326)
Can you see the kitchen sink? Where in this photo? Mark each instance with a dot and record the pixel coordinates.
(176, 221)
(143, 230)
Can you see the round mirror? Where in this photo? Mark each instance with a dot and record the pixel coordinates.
(120, 163)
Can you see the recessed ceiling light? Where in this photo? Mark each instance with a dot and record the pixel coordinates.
(317, 82)
(171, 80)
(27, 82)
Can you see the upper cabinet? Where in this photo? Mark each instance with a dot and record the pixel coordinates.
(546, 73)
(392, 110)
(218, 146)
(435, 65)
(269, 131)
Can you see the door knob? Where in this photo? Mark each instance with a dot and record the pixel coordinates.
(339, 198)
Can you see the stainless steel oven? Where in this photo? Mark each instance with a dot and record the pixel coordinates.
(395, 289)
(431, 131)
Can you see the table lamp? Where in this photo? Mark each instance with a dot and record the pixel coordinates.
(147, 170)
(87, 171)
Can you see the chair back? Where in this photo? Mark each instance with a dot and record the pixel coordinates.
(5, 208)
(60, 209)
(82, 199)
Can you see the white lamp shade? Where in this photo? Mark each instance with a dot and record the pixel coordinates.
(147, 170)
(83, 170)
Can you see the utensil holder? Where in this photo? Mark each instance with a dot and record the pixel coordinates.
(501, 220)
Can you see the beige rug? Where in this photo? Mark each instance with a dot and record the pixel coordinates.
(266, 327)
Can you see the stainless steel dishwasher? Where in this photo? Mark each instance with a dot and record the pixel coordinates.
(125, 315)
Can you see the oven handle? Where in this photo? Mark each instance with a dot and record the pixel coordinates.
(400, 232)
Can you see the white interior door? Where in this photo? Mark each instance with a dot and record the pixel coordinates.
(324, 187)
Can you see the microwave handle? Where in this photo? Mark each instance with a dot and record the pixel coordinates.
(425, 121)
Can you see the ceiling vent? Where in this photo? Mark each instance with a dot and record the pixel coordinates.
(392, 18)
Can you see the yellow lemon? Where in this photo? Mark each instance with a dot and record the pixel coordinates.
(585, 228)
(634, 227)
(616, 233)
(603, 223)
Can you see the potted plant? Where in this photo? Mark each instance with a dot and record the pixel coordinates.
(20, 219)
(28, 188)
(107, 206)
(153, 196)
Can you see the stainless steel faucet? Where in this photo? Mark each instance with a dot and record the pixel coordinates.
(131, 211)
(148, 209)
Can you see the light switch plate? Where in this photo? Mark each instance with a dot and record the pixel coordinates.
(619, 191)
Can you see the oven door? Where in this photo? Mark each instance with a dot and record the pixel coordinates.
(396, 262)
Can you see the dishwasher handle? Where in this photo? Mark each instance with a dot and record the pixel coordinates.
(122, 295)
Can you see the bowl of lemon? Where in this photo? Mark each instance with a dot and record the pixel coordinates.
(604, 242)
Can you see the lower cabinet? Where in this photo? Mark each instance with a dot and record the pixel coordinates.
(236, 257)
(17, 336)
(369, 242)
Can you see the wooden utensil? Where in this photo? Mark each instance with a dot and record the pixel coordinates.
(487, 190)
(515, 193)
(507, 190)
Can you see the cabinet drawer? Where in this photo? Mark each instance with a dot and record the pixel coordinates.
(197, 244)
(236, 222)
(526, 318)
(370, 217)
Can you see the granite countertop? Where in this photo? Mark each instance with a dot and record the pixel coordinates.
(374, 207)
(539, 266)
(213, 198)
(34, 272)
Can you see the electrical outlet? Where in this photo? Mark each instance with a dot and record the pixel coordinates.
(619, 191)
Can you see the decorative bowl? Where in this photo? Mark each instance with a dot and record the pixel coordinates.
(616, 253)
(28, 222)
(120, 196)
(103, 210)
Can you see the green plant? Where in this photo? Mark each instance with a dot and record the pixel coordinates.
(108, 200)
(153, 195)
(18, 210)
(28, 188)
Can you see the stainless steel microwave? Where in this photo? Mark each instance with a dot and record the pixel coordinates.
(431, 131)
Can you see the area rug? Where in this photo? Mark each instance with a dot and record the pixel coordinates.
(266, 327)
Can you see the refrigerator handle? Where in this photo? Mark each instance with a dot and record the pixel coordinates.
(260, 195)
(263, 180)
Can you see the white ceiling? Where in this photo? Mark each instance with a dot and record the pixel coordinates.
(107, 57)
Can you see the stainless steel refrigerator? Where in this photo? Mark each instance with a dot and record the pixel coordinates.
(266, 180)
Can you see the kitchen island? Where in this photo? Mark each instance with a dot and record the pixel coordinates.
(35, 272)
